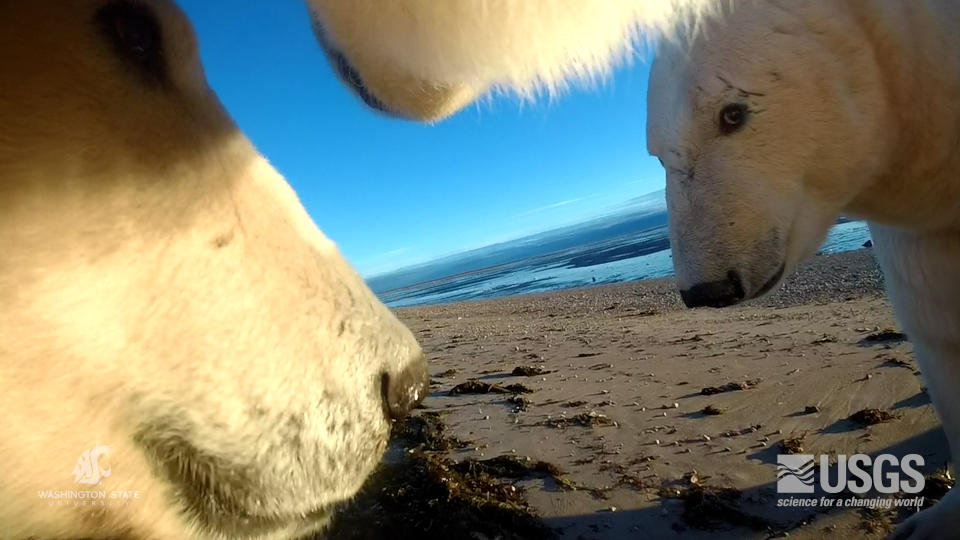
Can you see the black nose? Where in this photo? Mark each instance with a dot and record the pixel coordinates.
(403, 391)
(715, 294)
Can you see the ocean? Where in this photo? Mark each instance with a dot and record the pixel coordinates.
(629, 256)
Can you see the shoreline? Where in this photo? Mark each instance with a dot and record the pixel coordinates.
(821, 279)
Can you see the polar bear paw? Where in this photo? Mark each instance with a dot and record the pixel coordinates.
(942, 522)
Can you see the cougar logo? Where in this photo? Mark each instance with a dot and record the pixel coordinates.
(88, 470)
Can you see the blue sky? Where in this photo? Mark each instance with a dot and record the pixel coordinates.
(393, 193)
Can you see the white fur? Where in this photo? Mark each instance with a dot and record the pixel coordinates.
(854, 110)
(920, 270)
(520, 45)
(164, 293)
(426, 59)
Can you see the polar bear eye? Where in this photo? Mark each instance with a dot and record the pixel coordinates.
(136, 37)
(732, 118)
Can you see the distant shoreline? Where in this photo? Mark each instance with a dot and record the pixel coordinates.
(821, 279)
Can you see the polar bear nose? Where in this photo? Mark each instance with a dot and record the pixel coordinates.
(717, 294)
(404, 390)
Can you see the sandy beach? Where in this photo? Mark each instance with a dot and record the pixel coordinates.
(662, 422)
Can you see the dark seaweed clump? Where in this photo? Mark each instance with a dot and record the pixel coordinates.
(869, 417)
(711, 410)
(528, 371)
(427, 495)
(712, 508)
(792, 445)
(585, 419)
(516, 467)
(427, 432)
(730, 387)
(937, 485)
(474, 386)
(884, 337)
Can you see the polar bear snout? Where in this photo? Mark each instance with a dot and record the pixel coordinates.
(170, 298)
(377, 80)
(726, 292)
(723, 266)
(722, 293)
(405, 390)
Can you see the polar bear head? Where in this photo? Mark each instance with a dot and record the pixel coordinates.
(164, 294)
(766, 136)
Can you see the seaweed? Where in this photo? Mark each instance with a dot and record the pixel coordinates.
(427, 432)
(710, 410)
(869, 417)
(529, 371)
(519, 402)
(730, 387)
(428, 496)
(792, 445)
(584, 419)
(711, 508)
(474, 386)
(886, 336)
(876, 520)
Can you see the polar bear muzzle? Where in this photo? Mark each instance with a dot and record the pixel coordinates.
(166, 299)
(385, 89)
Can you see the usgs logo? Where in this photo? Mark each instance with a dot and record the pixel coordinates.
(797, 473)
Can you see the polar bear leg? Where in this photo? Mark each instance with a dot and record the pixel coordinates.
(941, 371)
(942, 522)
(922, 274)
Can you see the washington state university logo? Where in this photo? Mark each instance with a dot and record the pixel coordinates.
(795, 473)
(88, 470)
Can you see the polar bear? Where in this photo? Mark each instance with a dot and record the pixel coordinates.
(771, 117)
(780, 116)
(171, 320)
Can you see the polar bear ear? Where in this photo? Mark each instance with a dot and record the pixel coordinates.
(426, 59)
